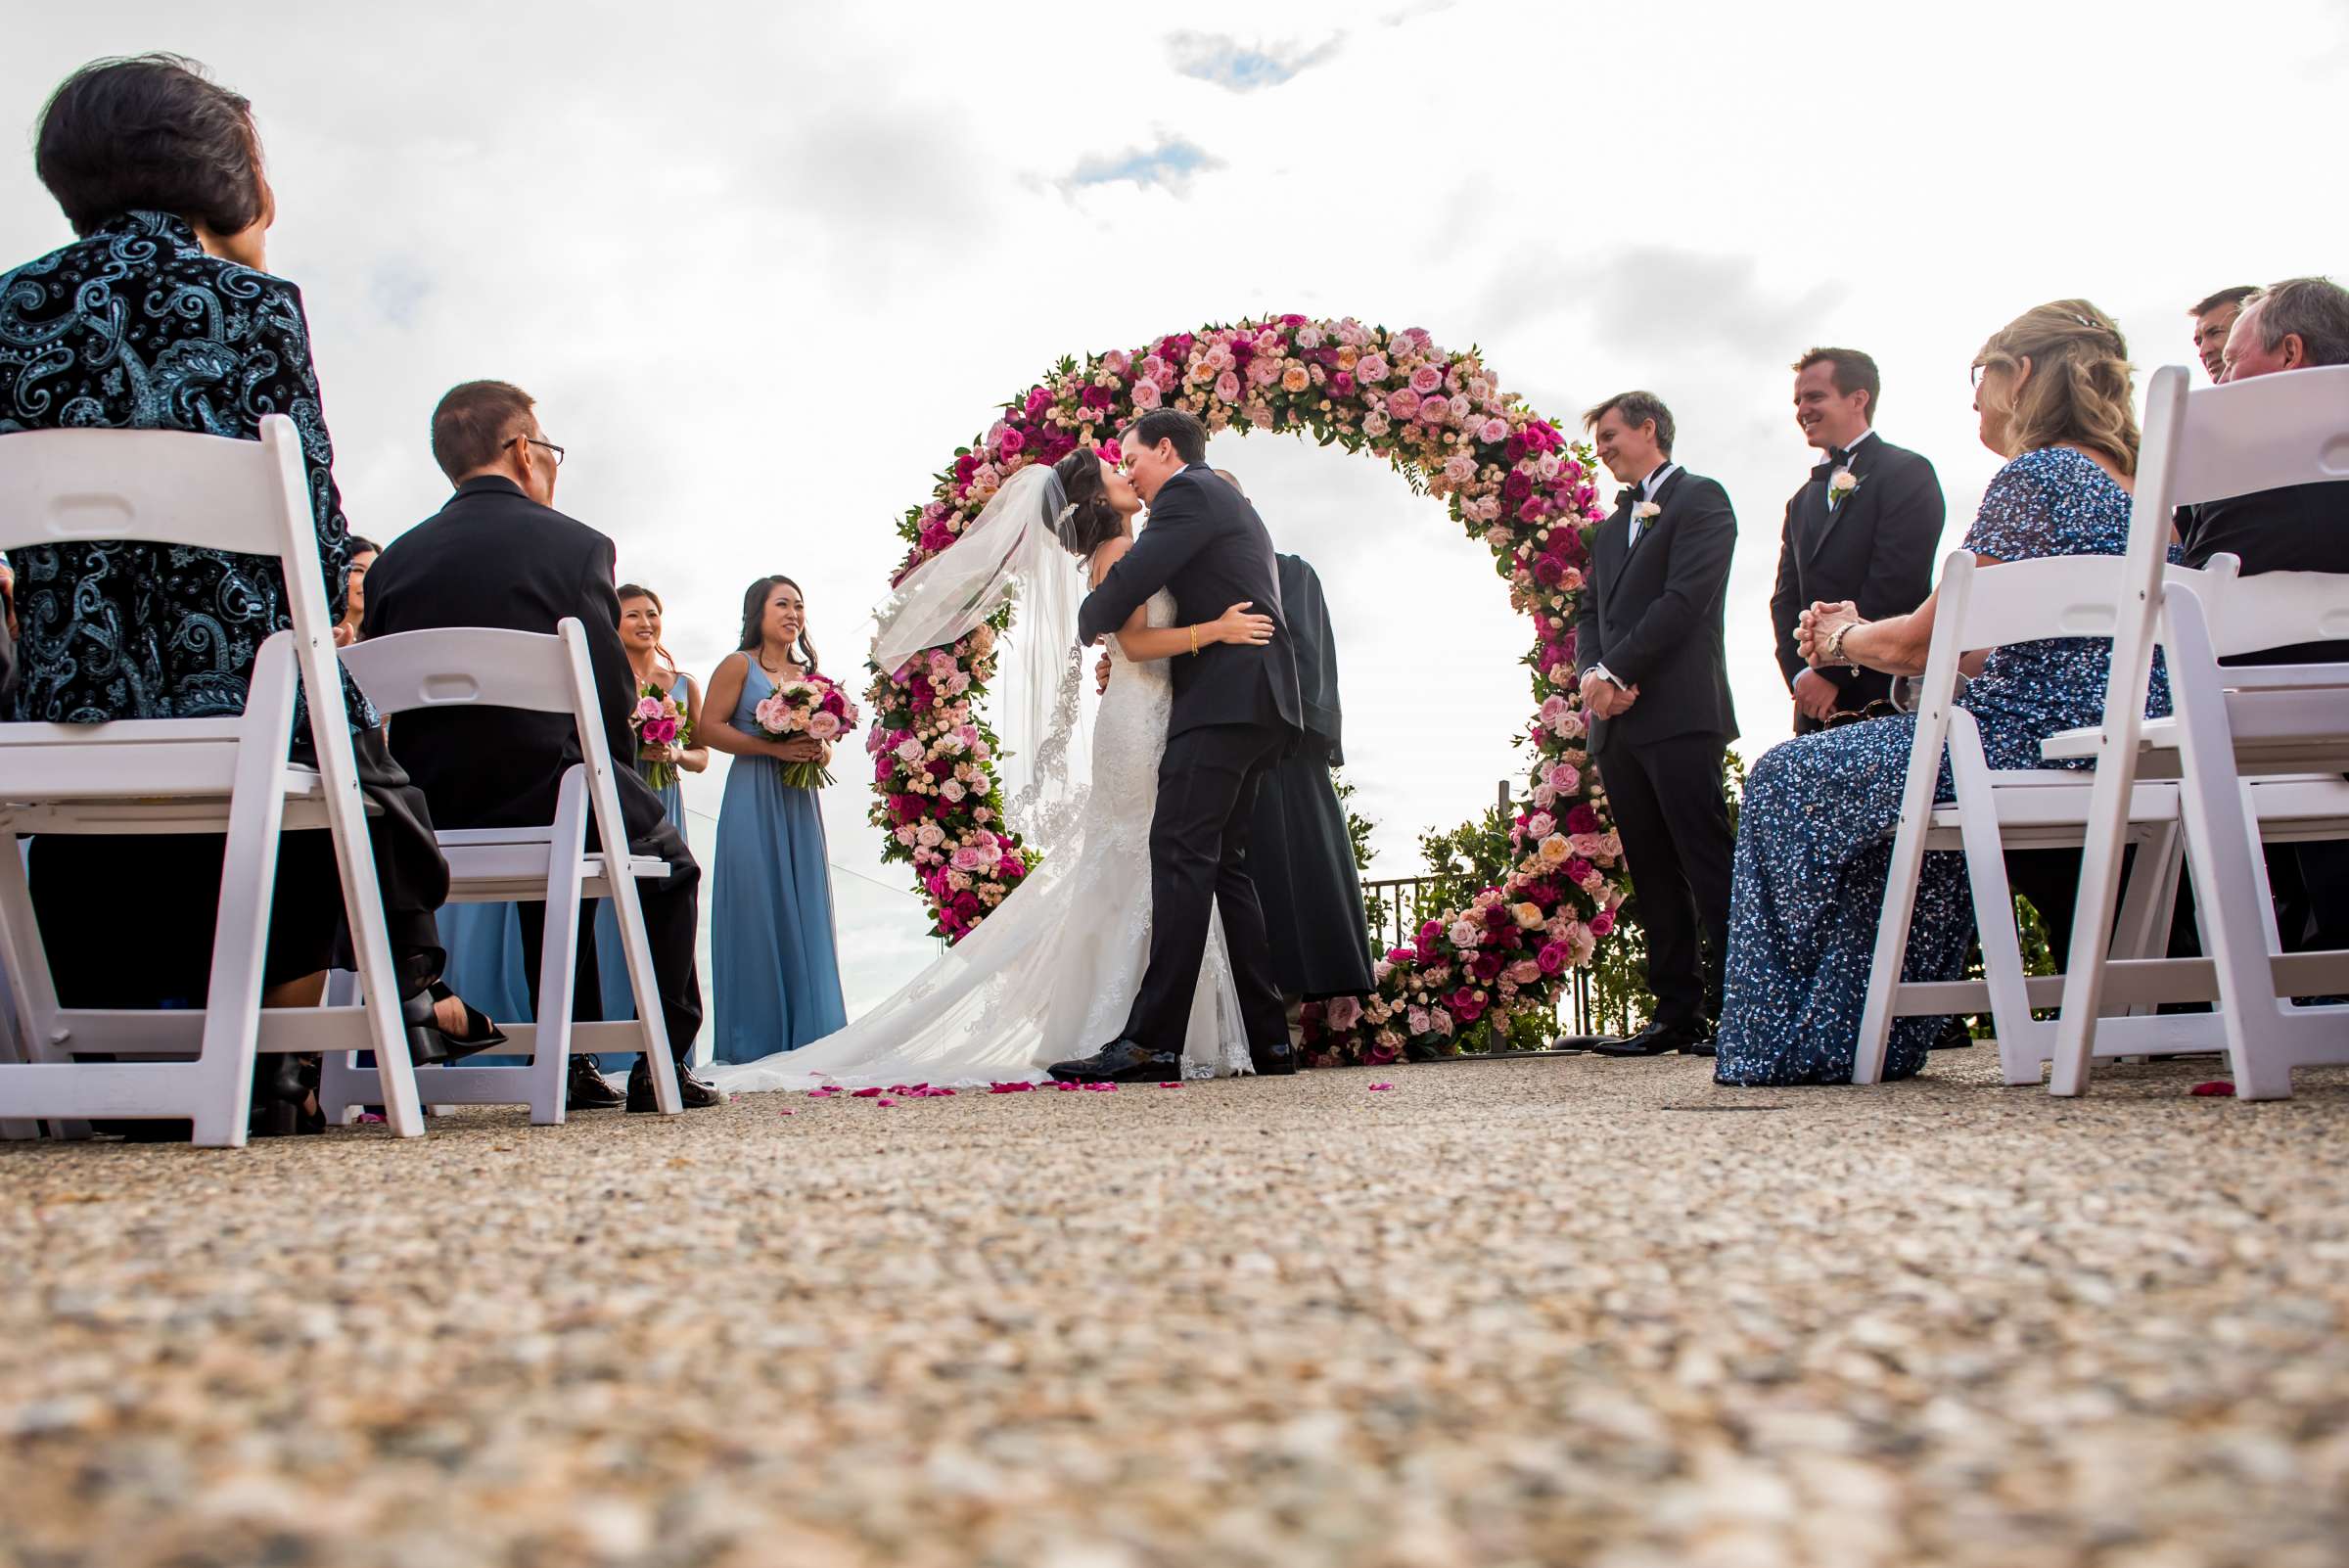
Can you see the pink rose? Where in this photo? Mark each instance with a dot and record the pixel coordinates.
(1494, 430)
(1345, 1012)
(1459, 468)
(1426, 379)
(1227, 386)
(1145, 393)
(1524, 972)
(1403, 403)
(1603, 922)
(969, 857)
(1551, 958)
(1371, 368)
(1434, 411)
(823, 726)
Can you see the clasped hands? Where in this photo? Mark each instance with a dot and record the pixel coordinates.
(1604, 697)
(804, 749)
(1816, 627)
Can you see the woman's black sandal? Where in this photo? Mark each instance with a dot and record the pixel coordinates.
(430, 1044)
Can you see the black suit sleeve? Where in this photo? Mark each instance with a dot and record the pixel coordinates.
(598, 610)
(1589, 642)
(1178, 530)
(1900, 563)
(1786, 602)
(1702, 541)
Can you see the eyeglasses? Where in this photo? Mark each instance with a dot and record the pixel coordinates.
(1976, 375)
(549, 446)
(1880, 707)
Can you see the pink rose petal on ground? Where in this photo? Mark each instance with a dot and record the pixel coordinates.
(367, 1117)
(1376, 1088)
(865, 1093)
(2217, 1086)
(787, 1113)
(822, 1093)
(885, 1101)
(1172, 1084)
(1099, 1088)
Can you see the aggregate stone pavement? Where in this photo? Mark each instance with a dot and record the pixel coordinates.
(1551, 1311)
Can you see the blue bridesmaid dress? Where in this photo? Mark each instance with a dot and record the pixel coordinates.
(611, 960)
(771, 939)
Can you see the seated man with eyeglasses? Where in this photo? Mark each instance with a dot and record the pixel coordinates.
(498, 554)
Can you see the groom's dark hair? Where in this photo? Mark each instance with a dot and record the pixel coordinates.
(1175, 425)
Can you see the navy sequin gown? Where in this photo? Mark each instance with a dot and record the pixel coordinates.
(1814, 833)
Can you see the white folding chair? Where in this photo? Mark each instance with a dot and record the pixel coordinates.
(2259, 748)
(1997, 810)
(229, 776)
(489, 666)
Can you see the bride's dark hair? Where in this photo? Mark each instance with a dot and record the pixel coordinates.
(1094, 522)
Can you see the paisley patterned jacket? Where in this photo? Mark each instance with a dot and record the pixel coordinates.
(137, 328)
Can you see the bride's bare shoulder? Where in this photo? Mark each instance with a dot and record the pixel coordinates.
(1106, 555)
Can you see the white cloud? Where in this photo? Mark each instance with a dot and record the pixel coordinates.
(765, 267)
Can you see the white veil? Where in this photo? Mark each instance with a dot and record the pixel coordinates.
(1013, 551)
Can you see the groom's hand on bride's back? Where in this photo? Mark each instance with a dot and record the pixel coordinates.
(1101, 673)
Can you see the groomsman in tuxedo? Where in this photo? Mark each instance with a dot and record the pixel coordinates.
(1655, 687)
(1864, 528)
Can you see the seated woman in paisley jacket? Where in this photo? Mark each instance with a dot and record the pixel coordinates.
(161, 317)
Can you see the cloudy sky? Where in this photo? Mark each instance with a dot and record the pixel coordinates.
(765, 267)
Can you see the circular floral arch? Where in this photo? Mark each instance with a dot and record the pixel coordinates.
(1509, 478)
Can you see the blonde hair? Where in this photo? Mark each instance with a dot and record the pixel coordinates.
(2078, 391)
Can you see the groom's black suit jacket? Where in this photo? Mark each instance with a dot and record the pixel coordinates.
(1875, 548)
(1652, 614)
(1206, 544)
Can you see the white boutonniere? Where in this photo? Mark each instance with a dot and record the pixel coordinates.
(1840, 485)
(1645, 512)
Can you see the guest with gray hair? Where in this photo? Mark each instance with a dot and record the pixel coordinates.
(2298, 324)
(2291, 324)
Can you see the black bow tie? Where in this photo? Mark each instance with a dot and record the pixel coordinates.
(1823, 471)
(1628, 496)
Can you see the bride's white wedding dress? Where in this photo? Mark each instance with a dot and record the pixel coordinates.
(1051, 974)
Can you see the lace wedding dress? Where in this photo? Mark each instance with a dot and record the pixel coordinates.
(1051, 974)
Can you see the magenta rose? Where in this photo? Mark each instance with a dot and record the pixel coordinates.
(1552, 957)
(1342, 384)
(1603, 922)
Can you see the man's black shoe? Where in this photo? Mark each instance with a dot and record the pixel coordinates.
(1273, 1061)
(588, 1089)
(1693, 1040)
(1954, 1036)
(1122, 1061)
(696, 1094)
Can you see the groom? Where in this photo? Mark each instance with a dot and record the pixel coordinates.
(1236, 709)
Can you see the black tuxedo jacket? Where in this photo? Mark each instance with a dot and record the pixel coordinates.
(1206, 543)
(493, 557)
(2297, 528)
(1652, 615)
(1876, 548)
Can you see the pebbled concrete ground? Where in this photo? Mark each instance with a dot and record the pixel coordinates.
(1570, 1312)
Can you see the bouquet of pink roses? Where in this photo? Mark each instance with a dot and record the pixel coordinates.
(809, 707)
(660, 720)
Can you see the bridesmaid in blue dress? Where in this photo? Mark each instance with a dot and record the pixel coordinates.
(656, 667)
(771, 936)
(2053, 391)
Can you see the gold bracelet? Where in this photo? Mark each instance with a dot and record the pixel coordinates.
(1194, 631)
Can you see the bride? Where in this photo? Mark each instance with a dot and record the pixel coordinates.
(1051, 973)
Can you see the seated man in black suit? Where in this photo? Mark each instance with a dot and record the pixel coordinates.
(2294, 325)
(499, 554)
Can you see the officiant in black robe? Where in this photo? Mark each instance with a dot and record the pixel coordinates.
(1299, 855)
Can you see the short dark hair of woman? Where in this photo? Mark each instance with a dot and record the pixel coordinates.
(754, 619)
(151, 133)
(1094, 522)
(1176, 425)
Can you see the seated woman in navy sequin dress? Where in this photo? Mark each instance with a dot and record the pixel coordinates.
(1812, 842)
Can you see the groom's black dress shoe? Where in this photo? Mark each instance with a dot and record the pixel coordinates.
(1122, 1061)
(1689, 1039)
(1273, 1061)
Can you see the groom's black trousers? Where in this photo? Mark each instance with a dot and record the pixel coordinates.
(1207, 784)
